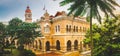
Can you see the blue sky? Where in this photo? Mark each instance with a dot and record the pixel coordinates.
(16, 8)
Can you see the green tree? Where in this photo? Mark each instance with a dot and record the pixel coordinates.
(92, 9)
(12, 29)
(27, 32)
(27, 53)
(106, 38)
(22, 31)
(2, 38)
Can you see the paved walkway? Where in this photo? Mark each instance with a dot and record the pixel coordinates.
(57, 53)
(49, 54)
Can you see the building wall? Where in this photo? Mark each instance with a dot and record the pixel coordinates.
(63, 36)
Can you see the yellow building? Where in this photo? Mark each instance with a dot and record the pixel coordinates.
(60, 32)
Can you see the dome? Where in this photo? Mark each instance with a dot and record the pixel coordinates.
(28, 10)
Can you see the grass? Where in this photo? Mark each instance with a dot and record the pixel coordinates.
(15, 52)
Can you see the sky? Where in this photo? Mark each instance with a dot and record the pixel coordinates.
(16, 8)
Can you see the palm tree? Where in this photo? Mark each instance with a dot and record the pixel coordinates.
(92, 9)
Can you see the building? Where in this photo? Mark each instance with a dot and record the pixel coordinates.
(60, 32)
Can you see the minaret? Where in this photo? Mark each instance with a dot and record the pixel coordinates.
(28, 15)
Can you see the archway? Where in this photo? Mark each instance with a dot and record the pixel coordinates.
(75, 45)
(36, 44)
(57, 45)
(40, 45)
(47, 46)
(68, 45)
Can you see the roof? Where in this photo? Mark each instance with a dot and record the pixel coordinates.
(28, 10)
(58, 14)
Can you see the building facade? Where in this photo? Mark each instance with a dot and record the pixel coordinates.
(60, 32)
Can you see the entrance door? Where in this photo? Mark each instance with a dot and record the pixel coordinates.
(58, 45)
(69, 45)
(75, 45)
(47, 46)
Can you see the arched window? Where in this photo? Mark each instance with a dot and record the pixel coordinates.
(68, 45)
(58, 45)
(47, 46)
(75, 45)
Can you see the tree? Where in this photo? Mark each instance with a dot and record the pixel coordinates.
(106, 38)
(92, 9)
(2, 36)
(22, 31)
(27, 53)
(27, 32)
(12, 28)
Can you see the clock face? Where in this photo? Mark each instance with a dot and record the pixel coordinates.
(29, 16)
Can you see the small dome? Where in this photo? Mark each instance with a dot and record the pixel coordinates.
(28, 10)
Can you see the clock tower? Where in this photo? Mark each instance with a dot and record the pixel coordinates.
(28, 15)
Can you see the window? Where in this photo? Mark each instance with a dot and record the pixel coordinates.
(67, 30)
(57, 28)
(47, 29)
(80, 29)
(74, 29)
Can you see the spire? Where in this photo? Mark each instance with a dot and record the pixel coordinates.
(27, 7)
(44, 7)
(46, 13)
